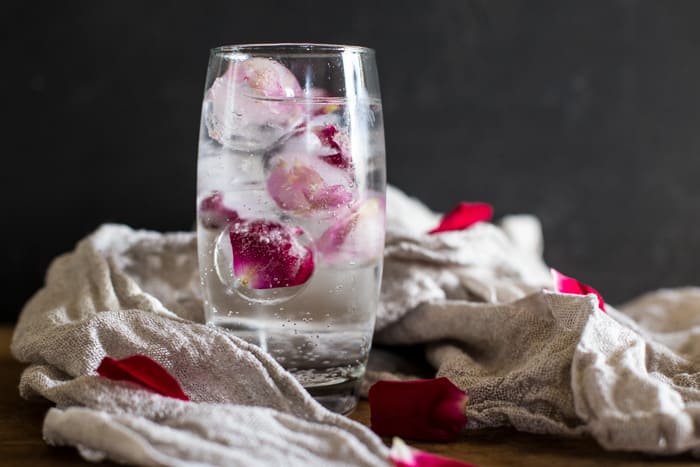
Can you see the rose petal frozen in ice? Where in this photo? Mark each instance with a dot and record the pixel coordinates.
(267, 77)
(213, 214)
(566, 284)
(331, 138)
(463, 216)
(250, 102)
(141, 370)
(430, 409)
(327, 135)
(357, 236)
(299, 181)
(268, 255)
(403, 455)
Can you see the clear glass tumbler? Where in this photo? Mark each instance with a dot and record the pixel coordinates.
(291, 206)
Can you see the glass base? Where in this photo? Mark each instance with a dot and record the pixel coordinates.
(340, 398)
(330, 371)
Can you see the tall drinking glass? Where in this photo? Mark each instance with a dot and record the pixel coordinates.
(290, 206)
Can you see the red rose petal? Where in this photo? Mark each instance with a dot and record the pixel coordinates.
(328, 135)
(431, 409)
(337, 160)
(144, 372)
(268, 255)
(566, 284)
(404, 456)
(463, 216)
(213, 214)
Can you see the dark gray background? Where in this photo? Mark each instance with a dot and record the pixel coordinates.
(585, 113)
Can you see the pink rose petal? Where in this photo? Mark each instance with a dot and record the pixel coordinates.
(357, 235)
(297, 183)
(431, 410)
(141, 370)
(405, 456)
(213, 214)
(252, 100)
(463, 216)
(268, 255)
(265, 77)
(566, 284)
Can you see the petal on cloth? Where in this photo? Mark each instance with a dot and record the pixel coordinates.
(558, 365)
(463, 216)
(405, 456)
(429, 409)
(143, 371)
(566, 284)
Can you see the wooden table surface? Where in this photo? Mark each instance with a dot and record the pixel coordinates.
(21, 442)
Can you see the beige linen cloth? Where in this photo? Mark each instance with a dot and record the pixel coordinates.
(540, 361)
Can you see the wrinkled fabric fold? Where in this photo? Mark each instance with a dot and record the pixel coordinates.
(476, 299)
(96, 303)
(537, 360)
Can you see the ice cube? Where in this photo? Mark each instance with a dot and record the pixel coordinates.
(302, 180)
(356, 237)
(264, 261)
(252, 105)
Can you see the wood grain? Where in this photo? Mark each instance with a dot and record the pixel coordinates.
(21, 442)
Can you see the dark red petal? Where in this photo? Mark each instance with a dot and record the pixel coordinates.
(337, 160)
(144, 372)
(268, 255)
(328, 137)
(431, 409)
(463, 216)
(404, 456)
(213, 214)
(566, 284)
(305, 270)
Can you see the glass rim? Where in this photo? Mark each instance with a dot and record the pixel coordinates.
(291, 49)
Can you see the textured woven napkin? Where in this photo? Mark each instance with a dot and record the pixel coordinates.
(541, 361)
(123, 292)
